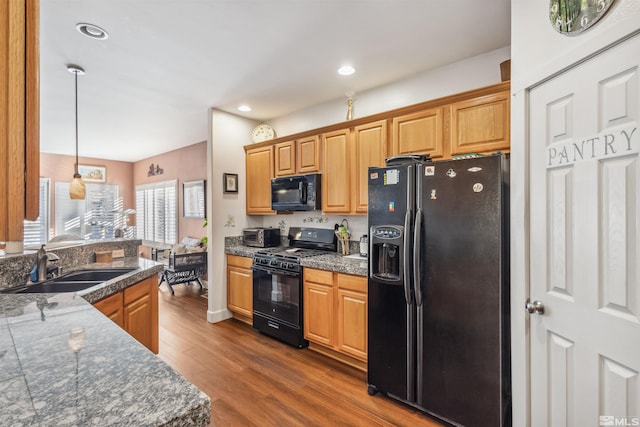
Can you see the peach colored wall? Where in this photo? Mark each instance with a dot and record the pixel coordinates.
(60, 168)
(185, 164)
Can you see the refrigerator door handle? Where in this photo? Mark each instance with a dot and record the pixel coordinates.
(417, 240)
(407, 259)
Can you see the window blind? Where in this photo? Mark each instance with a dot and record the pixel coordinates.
(157, 212)
(36, 232)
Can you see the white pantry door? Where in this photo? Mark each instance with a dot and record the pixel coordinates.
(585, 234)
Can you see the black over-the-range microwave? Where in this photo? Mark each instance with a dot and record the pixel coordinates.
(296, 193)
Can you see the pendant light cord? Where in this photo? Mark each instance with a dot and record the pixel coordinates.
(76, 73)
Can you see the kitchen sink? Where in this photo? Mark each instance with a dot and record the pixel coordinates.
(71, 282)
(53, 287)
(97, 275)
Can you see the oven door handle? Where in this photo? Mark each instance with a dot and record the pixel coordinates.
(276, 272)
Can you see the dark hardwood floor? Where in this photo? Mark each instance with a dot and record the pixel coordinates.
(255, 380)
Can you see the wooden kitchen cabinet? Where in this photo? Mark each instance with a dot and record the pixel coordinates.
(481, 125)
(352, 315)
(308, 155)
(141, 312)
(419, 133)
(370, 142)
(336, 173)
(335, 314)
(347, 155)
(475, 121)
(240, 287)
(259, 171)
(135, 309)
(285, 158)
(112, 307)
(297, 157)
(318, 307)
(19, 119)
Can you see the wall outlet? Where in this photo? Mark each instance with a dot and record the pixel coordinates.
(118, 253)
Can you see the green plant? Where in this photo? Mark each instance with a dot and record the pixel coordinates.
(204, 239)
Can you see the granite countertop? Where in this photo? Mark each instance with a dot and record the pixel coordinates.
(241, 250)
(144, 268)
(337, 263)
(331, 261)
(111, 380)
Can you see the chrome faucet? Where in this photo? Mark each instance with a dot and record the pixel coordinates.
(42, 263)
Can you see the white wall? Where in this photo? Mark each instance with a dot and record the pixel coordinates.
(225, 212)
(539, 53)
(471, 73)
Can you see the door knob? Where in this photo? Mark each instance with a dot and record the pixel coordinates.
(536, 307)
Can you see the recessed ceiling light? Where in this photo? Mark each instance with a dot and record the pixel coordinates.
(346, 70)
(244, 108)
(92, 31)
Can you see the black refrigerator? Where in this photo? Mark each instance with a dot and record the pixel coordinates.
(438, 302)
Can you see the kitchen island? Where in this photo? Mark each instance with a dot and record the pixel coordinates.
(110, 380)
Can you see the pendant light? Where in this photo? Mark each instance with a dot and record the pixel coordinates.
(77, 188)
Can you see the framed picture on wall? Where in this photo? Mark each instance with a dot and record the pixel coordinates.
(92, 173)
(230, 182)
(194, 199)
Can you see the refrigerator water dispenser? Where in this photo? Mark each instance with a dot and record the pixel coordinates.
(386, 257)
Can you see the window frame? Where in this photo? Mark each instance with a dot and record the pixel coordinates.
(157, 212)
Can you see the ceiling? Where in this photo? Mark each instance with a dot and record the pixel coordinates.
(148, 87)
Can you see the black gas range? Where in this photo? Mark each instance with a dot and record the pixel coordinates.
(277, 283)
(284, 259)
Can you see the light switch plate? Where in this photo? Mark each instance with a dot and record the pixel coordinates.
(118, 253)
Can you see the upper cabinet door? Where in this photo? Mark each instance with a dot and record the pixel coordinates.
(336, 174)
(285, 158)
(308, 155)
(481, 124)
(259, 169)
(419, 132)
(370, 150)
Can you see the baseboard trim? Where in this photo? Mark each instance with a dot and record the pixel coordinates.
(218, 316)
